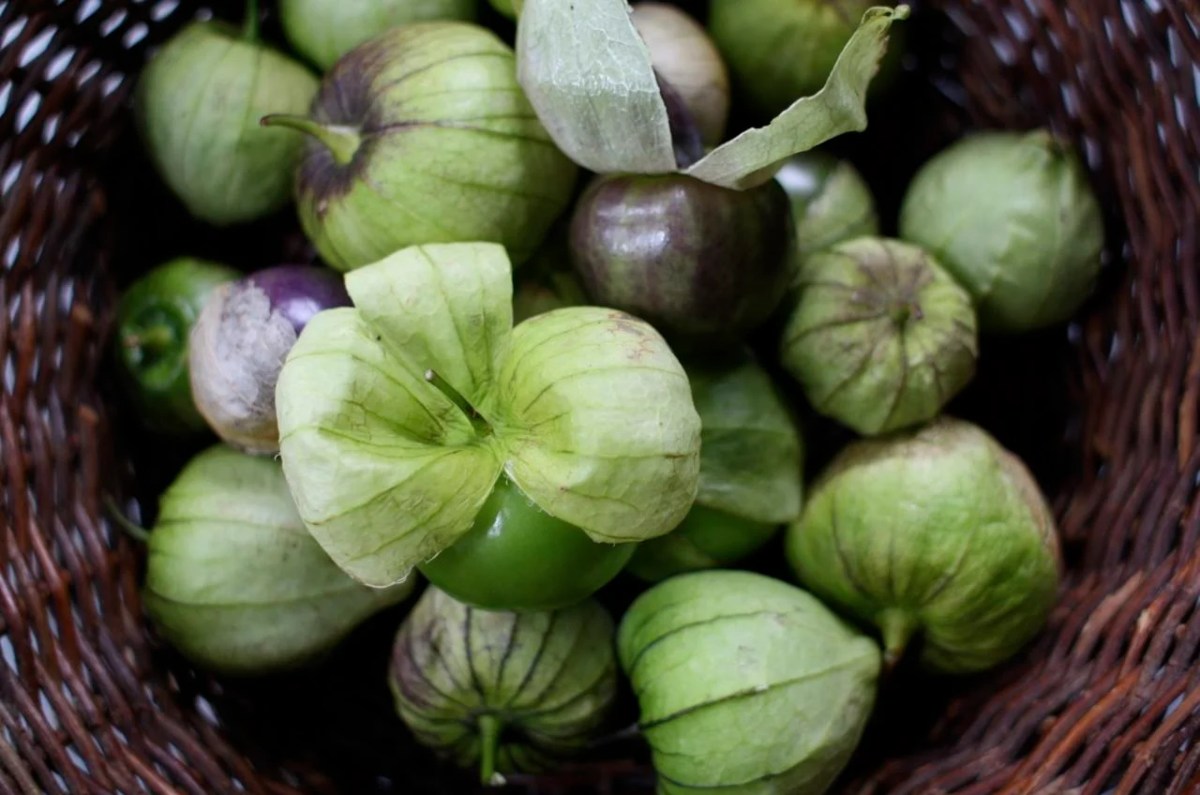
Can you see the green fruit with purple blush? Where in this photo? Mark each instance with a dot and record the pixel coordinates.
(518, 557)
(422, 135)
(241, 339)
(705, 265)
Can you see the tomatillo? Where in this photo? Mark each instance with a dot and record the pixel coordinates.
(518, 557)
(395, 426)
(751, 461)
(708, 538)
(154, 320)
(705, 265)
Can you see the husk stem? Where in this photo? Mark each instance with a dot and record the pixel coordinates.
(489, 744)
(902, 313)
(250, 24)
(897, 627)
(341, 141)
(155, 338)
(481, 425)
(134, 531)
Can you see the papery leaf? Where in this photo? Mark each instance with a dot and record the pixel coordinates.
(385, 470)
(587, 73)
(601, 428)
(752, 452)
(446, 308)
(712, 650)
(752, 158)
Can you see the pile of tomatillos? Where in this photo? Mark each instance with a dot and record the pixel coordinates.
(539, 353)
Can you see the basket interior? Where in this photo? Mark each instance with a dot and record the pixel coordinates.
(1103, 411)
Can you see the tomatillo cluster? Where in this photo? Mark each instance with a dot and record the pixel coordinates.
(570, 413)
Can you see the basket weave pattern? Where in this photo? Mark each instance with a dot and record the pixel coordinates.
(1107, 701)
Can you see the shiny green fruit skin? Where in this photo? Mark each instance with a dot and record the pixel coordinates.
(233, 579)
(782, 50)
(704, 265)
(154, 319)
(325, 30)
(518, 557)
(707, 539)
(940, 533)
(1014, 220)
(444, 147)
(198, 104)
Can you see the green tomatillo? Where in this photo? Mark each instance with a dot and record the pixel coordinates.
(325, 30)
(198, 103)
(707, 538)
(154, 320)
(831, 202)
(940, 534)
(505, 691)
(518, 557)
(781, 50)
(235, 582)
(881, 337)
(1013, 218)
(751, 459)
(399, 417)
(746, 684)
(422, 135)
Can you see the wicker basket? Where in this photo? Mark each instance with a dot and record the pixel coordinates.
(1107, 701)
